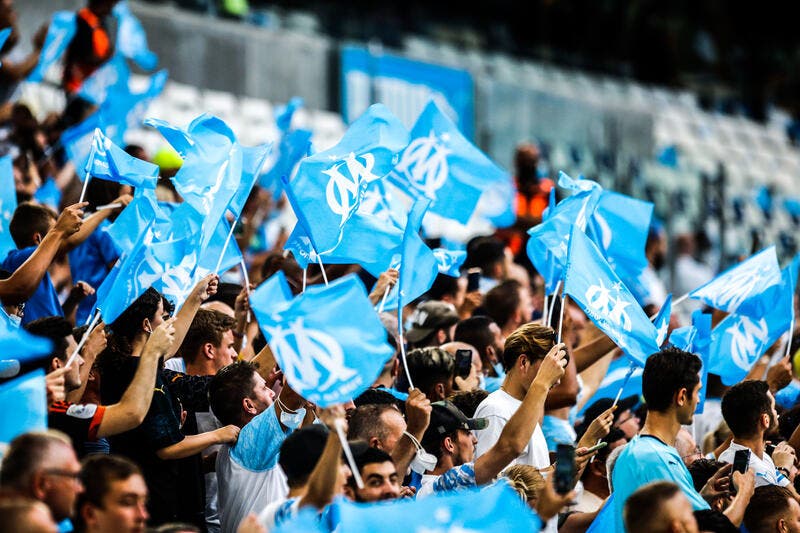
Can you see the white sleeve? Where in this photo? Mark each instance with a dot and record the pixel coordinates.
(488, 437)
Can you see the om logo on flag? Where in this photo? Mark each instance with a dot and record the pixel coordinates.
(747, 339)
(342, 192)
(424, 164)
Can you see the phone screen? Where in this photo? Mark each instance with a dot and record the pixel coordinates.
(740, 462)
(463, 362)
(473, 279)
(565, 468)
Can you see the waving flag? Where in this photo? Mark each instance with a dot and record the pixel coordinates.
(59, 34)
(293, 147)
(283, 120)
(133, 221)
(442, 165)
(739, 289)
(253, 159)
(8, 204)
(17, 343)
(110, 162)
(739, 340)
(619, 226)
(590, 281)
(77, 141)
(366, 241)
(131, 38)
(549, 241)
(614, 380)
(111, 78)
(701, 345)
(449, 261)
(327, 357)
(125, 109)
(4, 33)
(418, 264)
(661, 321)
(48, 194)
(28, 396)
(494, 508)
(328, 187)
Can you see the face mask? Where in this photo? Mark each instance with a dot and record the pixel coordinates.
(289, 419)
(422, 461)
(13, 320)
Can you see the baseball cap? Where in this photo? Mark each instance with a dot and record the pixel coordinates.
(446, 418)
(430, 316)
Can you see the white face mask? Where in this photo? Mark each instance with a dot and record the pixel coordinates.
(13, 320)
(291, 420)
(422, 461)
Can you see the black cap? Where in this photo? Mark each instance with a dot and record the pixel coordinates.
(429, 317)
(603, 404)
(445, 419)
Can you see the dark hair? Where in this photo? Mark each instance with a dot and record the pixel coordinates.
(475, 331)
(29, 218)
(532, 340)
(641, 507)
(176, 527)
(300, 453)
(443, 285)
(502, 301)
(228, 388)
(714, 521)
(702, 470)
(484, 253)
(429, 366)
(227, 294)
(365, 422)
(208, 326)
(743, 404)
(665, 373)
(788, 422)
(55, 328)
(377, 396)
(364, 455)
(98, 472)
(766, 504)
(25, 454)
(101, 192)
(468, 401)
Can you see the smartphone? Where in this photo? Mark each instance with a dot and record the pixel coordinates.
(740, 461)
(473, 279)
(463, 363)
(565, 468)
(594, 448)
(769, 448)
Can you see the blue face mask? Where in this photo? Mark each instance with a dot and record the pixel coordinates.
(293, 420)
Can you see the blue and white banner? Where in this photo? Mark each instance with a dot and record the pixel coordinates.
(405, 87)
(8, 204)
(59, 34)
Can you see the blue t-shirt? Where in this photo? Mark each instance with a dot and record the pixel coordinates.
(787, 396)
(89, 262)
(43, 302)
(646, 459)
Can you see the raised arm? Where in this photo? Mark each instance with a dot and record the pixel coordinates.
(130, 411)
(589, 353)
(517, 432)
(194, 444)
(24, 281)
(322, 485)
(418, 416)
(92, 222)
(204, 288)
(17, 71)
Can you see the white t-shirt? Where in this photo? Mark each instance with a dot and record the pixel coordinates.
(176, 363)
(764, 468)
(248, 475)
(497, 408)
(206, 422)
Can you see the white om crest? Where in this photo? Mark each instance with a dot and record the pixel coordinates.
(747, 339)
(343, 192)
(424, 163)
(608, 307)
(309, 357)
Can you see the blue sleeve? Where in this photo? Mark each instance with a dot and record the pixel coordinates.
(15, 258)
(456, 478)
(787, 396)
(106, 248)
(260, 442)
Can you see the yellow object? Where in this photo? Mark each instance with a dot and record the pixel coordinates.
(167, 158)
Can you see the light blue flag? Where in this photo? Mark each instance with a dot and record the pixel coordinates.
(4, 33)
(739, 340)
(366, 241)
(494, 508)
(253, 159)
(449, 261)
(619, 227)
(133, 221)
(606, 520)
(701, 345)
(110, 162)
(615, 379)
(442, 165)
(740, 289)
(124, 109)
(329, 185)
(28, 396)
(661, 321)
(48, 194)
(131, 38)
(418, 265)
(77, 141)
(294, 146)
(8, 204)
(283, 118)
(16, 343)
(210, 256)
(683, 337)
(326, 356)
(59, 34)
(111, 78)
(590, 281)
(549, 241)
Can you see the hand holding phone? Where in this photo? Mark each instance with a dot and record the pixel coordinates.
(565, 468)
(463, 363)
(473, 279)
(741, 460)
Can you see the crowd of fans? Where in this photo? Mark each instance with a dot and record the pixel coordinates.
(183, 421)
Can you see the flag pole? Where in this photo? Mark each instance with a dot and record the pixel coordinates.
(83, 339)
(553, 304)
(544, 311)
(348, 453)
(624, 383)
(322, 268)
(791, 333)
(305, 277)
(400, 335)
(85, 186)
(225, 247)
(246, 278)
(561, 318)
